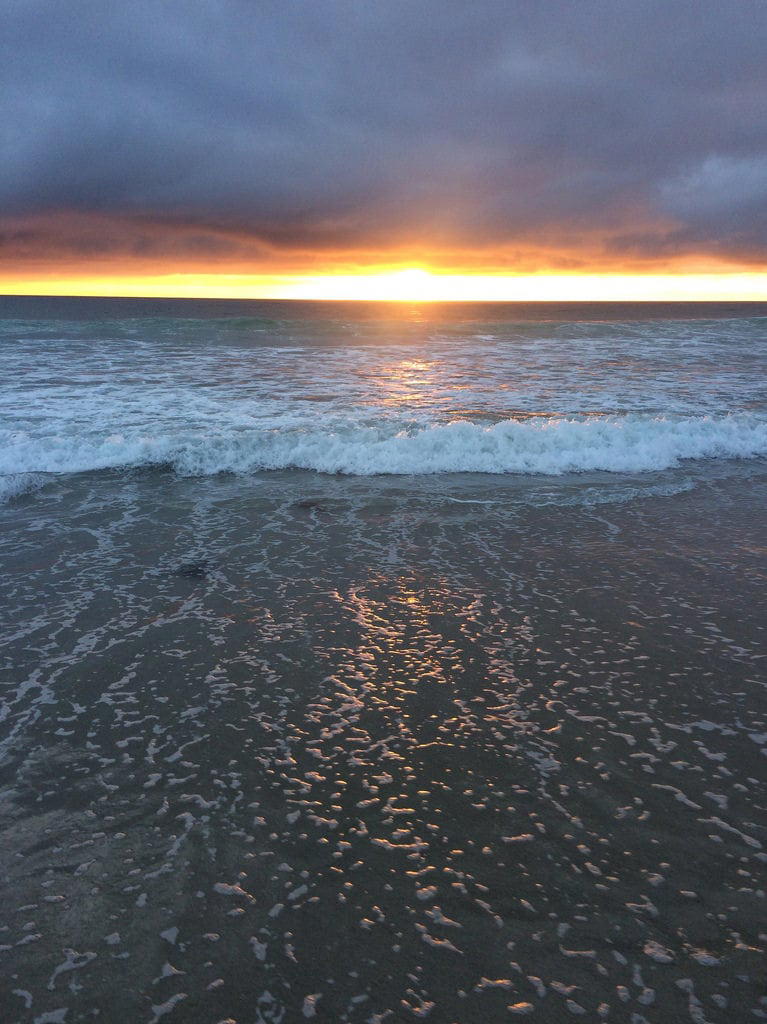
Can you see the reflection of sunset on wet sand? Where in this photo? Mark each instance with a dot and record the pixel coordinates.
(454, 752)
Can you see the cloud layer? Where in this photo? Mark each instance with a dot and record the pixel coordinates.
(274, 133)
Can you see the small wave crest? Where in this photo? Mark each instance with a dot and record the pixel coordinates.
(540, 446)
(14, 484)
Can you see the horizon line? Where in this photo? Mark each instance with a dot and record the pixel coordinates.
(387, 301)
(405, 284)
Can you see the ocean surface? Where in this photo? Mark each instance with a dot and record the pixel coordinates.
(373, 663)
(207, 388)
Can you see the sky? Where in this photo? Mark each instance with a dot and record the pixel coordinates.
(243, 147)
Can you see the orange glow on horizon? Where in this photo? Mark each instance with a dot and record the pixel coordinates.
(407, 284)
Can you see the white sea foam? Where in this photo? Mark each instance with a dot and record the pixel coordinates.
(543, 445)
(14, 484)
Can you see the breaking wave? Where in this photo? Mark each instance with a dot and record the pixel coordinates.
(538, 446)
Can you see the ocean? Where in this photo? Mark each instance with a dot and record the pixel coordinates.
(377, 662)
(369, 390)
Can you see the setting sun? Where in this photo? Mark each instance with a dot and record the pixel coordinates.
(411, 284)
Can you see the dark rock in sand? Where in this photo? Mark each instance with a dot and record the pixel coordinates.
(193, 570)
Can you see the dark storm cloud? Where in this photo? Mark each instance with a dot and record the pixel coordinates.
(316, 124)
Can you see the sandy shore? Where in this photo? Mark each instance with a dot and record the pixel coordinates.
(362, 752)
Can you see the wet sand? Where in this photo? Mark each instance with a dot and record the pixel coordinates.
(360, 752)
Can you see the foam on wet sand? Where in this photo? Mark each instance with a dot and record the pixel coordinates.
(388, 757)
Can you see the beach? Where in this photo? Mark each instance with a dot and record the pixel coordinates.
(377, 668)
